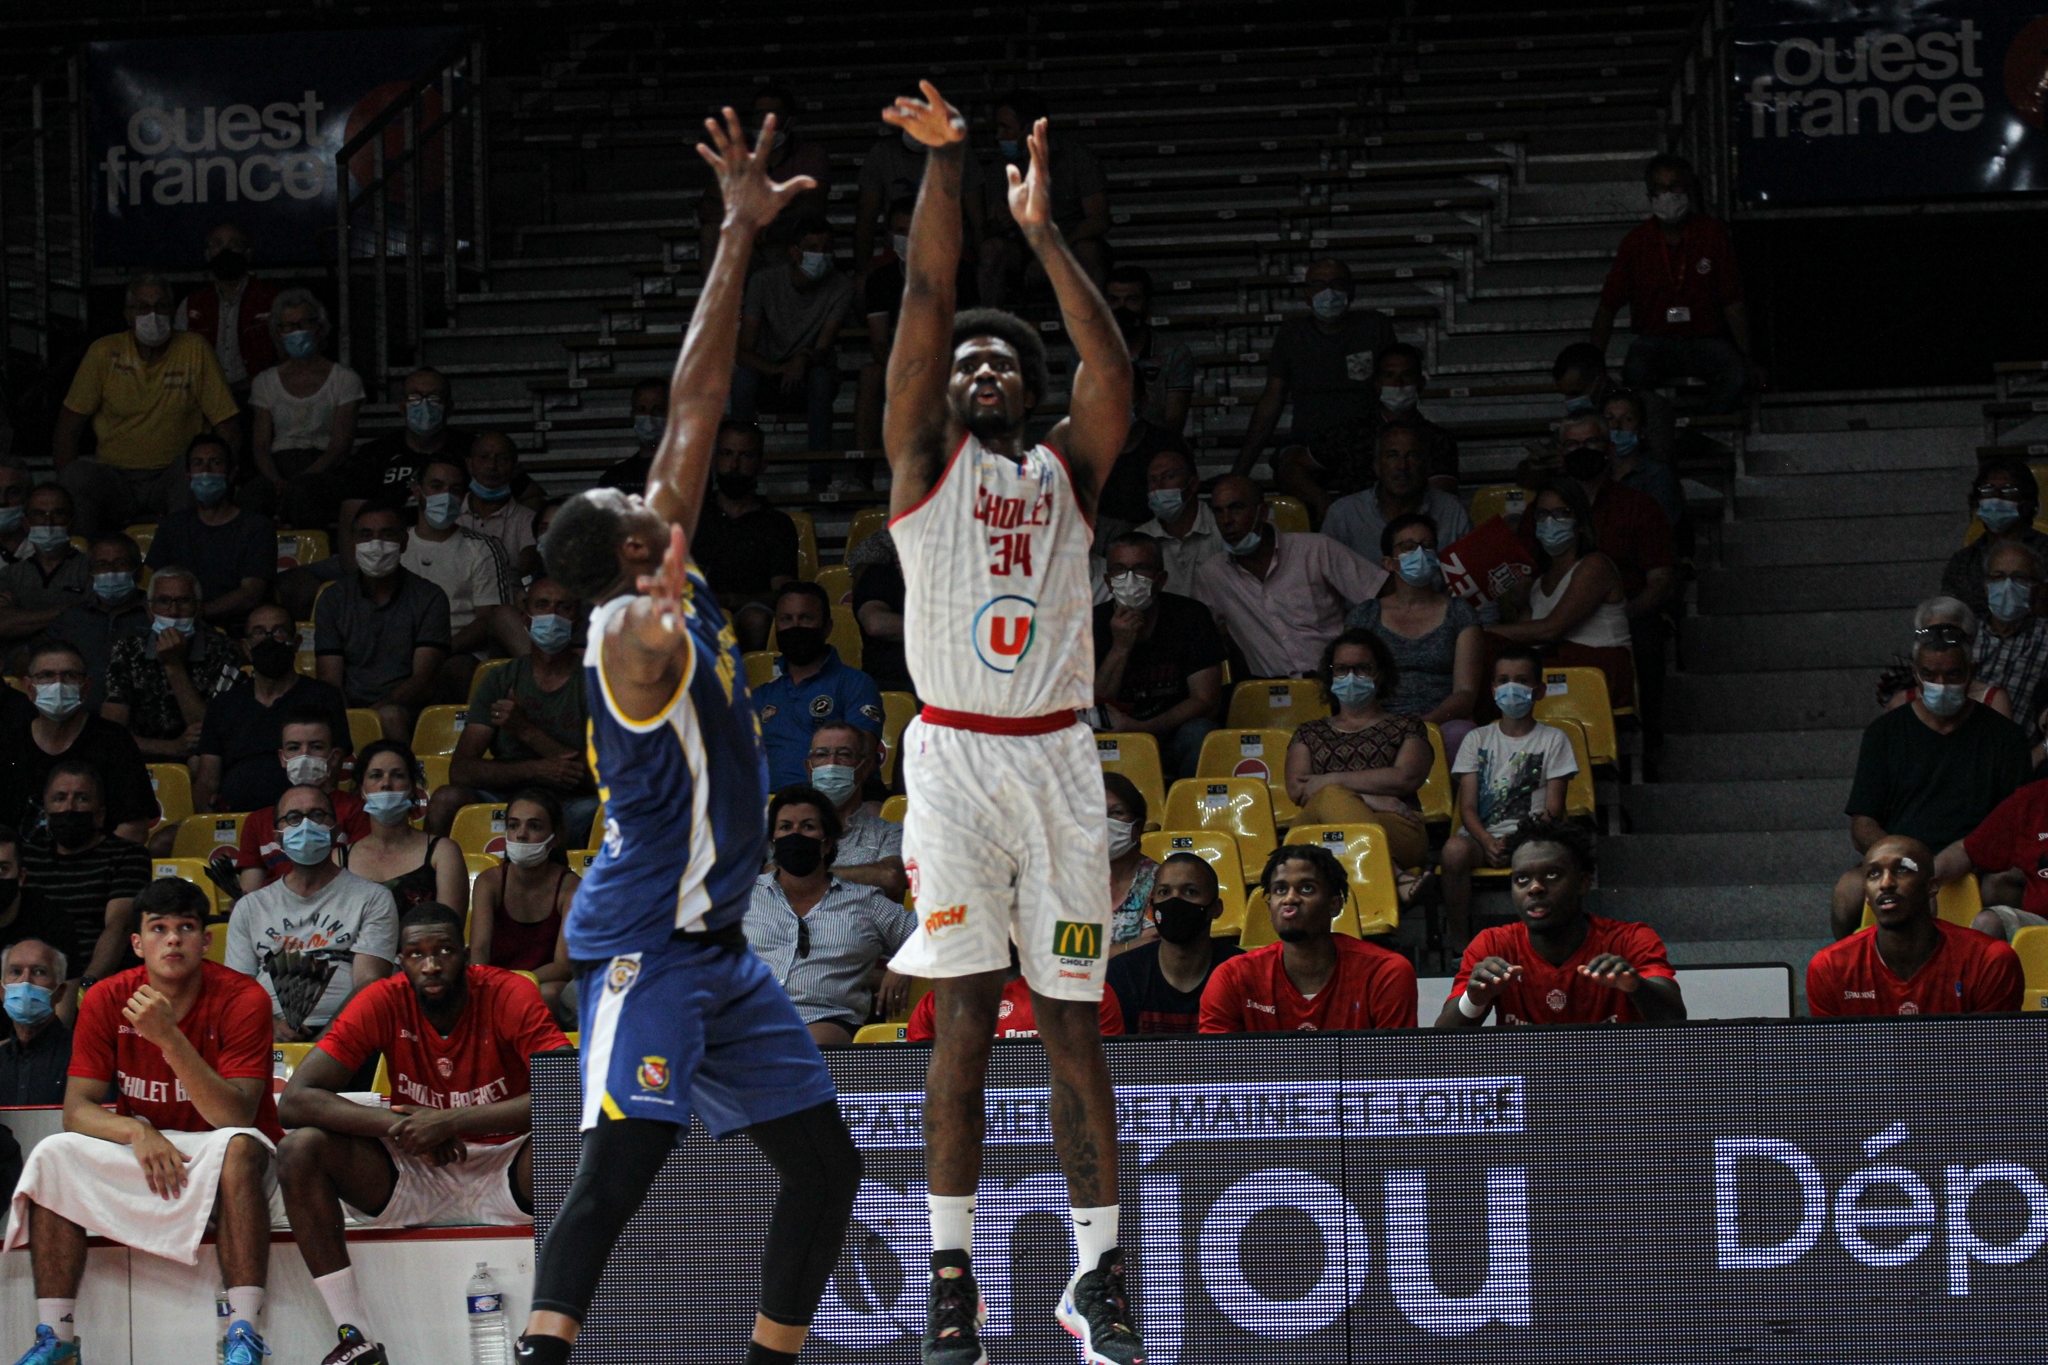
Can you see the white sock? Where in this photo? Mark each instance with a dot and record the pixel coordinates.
(344, 1300)
(1094, 1236)
(245, 1303)
(59, 1315)
(952, 1221)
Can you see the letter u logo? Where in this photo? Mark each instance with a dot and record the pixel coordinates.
(1008, 634)
(1003, 631)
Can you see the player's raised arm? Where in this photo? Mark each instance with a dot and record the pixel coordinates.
(1099, 416)
(682, 463)
(920, 361)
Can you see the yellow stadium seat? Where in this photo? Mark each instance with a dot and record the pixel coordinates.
(760, 666)
(845, 635)
(1241, 807)
(866, 522)
(1258, 921)
(382, 1085)
(479, 827)
(201, 835)
(1438, 795)
(484, 669)
(1578, 791)
(581, 859)
(1287, 513)
(1580, 694)
(143, 534)
(1374, 905)
(893, 808)
(1220, 852)
(295, 549)
(1958, 902)
(363, 727)
(437, 729)
(1283, 703)
(306, 661)
(434, 771)
(1505, 500)
(2032, 945)
(880, 1033)
(595, 839)
(480, 862)
(192, 870)
(172, 783)
(1251, 753)
(897, 710)
(806, 545)
(290, 1056)
(837, 581)
(1136, 756)
(81, 544)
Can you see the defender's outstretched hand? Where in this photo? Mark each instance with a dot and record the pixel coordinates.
(751, 199)
(657, 621)
(1031, 192)
(930, 120)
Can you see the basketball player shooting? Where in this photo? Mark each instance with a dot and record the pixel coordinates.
(1005, 838)
(679, 1017)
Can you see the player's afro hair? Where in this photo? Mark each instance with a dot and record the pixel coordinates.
(1022, 336)
(581, 547)
(1573, 839)
(1328, 870)
(431, 912)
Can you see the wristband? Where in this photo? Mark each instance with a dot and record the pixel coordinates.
(1470, 1010)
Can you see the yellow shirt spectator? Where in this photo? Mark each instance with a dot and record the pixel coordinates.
(146, 412)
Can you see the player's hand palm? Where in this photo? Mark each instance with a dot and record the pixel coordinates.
(930, 120)
(659, 617)
(1031, 192)
(751, 199)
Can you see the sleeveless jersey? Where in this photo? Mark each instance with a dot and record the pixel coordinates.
(997, 606)
(683, 793)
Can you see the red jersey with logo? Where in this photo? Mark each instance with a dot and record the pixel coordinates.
(1372, 987)
(482, 1062)
(260, 848)
(2015, 834)
(1971, 973)
(1549, 994)
(229, 1026)
(1013, 1017)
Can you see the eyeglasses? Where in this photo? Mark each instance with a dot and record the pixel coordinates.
(803, 937)
(74, 676)
(1992, 490)
(1941, 634)
(292, 819)
(273, 632)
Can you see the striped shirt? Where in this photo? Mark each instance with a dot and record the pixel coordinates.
(82, 884)
(868, 838)
(2016, 662)
(848, 931)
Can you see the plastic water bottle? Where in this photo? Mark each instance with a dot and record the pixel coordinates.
(488, 1342)
(222, 1315)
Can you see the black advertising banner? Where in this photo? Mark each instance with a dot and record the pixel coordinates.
(1841, 100)
(1810, 1192)
(187, 133)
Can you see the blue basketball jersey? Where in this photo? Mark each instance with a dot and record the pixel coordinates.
(685, 796)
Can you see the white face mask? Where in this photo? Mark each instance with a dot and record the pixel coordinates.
(152, 329)
(901, 246)
(1132, 589)
(377, 558)
(1398, 397)
(1123, 837)
(528, 855)
(1670, 206)
(306, 770)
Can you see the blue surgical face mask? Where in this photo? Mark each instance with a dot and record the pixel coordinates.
(836, 782)
(27, 1003)
(815, 265)
(209, 488)
(1625, 442)
(1166, 503)
(388, 808)
(551, 632)
(490, 494)
(1558, 534)
(1418, 566)
(1248, 546)
(1574, 406)
(1515, 700)
(647, 429)
(112, 587)
(441, 509)
(1329, 304)
(186, 626)
(1944, 699)
(307, 843)
(425, 418)
(49, 539)
(10, 519)
(302, 344)
(1998, 513)
(2009, 597)
(58, 700)
(1353, 689)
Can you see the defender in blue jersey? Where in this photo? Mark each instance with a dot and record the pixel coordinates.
(679, 1017)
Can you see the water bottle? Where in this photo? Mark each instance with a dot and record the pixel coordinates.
(488, 1341)
(222, 1315)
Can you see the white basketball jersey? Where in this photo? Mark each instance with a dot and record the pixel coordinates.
(997, 607)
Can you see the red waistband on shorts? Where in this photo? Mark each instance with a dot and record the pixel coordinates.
(998, 725)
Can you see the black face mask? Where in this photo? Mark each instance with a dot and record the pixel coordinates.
(737, 486)
(802, 645)
(272, 658)
(799, 854)
(1585, 463)
(72, 828)
(1180, 920)
(228, 265)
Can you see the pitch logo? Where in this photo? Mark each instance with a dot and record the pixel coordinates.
(1003, 632)
(944, 918)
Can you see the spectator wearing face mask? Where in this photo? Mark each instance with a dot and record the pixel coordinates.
(382, 634)
(1675, 272)
(36, 1054)
(892, 172)
(789, 331)
(81, 871)
(470, 567)
(811, 685)
(1898, 686)
(1357, 470)
(1577, 608)
(521, 904)
(870, 849)
(237, 766)
(417, 867)
(2011, 651)
(1400, 487)
(746, 547)
(1158, 658)
(1931, 770)
(1323, 365)
(1280, 596)
(1434, 637)
(1079, 195)
(309, 754)
(2006, 500)
(37, 590)
(304, 422)
(1166, 369)
(233, 311)
(822, 935)
(1588, 387)
(16, 478)
(1363, 763)
(233, 551)
(648, 409)
(498, 504)
(59, 727)
(1159, 981)
(1125, 497)
(1131, 873)
(113, 611)
(790, 155)
(527, 723)
(1630, 463)
(160, 682)
(1182, 523)
(147, 391)
(388, 466)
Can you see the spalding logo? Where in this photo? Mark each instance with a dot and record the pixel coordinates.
(1003, 632)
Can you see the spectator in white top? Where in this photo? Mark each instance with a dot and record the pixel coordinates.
(789, 330)
(472, 568)
(1401, 486)
(491, 509)
(305, 418)
(1576, 602)
(1513, 770)
(870, 849)
(1181, 522)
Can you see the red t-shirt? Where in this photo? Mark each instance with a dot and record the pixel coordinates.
(1372, 987)
(1013, 1016)
(1559, 995)
(229, 1024)
(2015, 834)
(1971, 973)
(482, 1062)
(1650, 277)
(260, 848)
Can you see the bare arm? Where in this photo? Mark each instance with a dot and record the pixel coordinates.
(260, 446)
(1589, 588)
(1467, 660)
(885, 875)
(482, 923)
(205, 781)
(1863, 832)
(221, 1102)
(914, 416)
(312, 1099)
(341, 440)
(1265, 418)
(1403, 777)
(1659, 587)
(1553, 797)
(451, 876)
(880, 621)
(64, 439)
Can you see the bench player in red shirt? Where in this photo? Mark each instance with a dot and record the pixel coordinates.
(182, 1048)
(1560, 965)
(1312, 980)
(1911, 961)
(452, 1147)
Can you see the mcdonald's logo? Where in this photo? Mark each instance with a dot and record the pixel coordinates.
(1070, 939)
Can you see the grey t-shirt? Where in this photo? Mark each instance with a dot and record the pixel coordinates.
(376, 641)
(347, 916)
(868, 838)
(792, 319)
(1329, 377)
(1355, 520)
